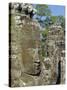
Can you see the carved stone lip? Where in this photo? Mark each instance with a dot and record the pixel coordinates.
(37, 65)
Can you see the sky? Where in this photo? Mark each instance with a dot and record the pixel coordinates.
(57, 10)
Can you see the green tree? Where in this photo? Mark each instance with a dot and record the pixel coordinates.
(42, 12)
(53, 19)
(58, 19)
(48, 22)
(61, 19)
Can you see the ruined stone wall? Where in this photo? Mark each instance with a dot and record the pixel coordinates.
(24, 32)
(55, 45)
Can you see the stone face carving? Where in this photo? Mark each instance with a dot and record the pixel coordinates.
(27, 66)
(31, 61)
